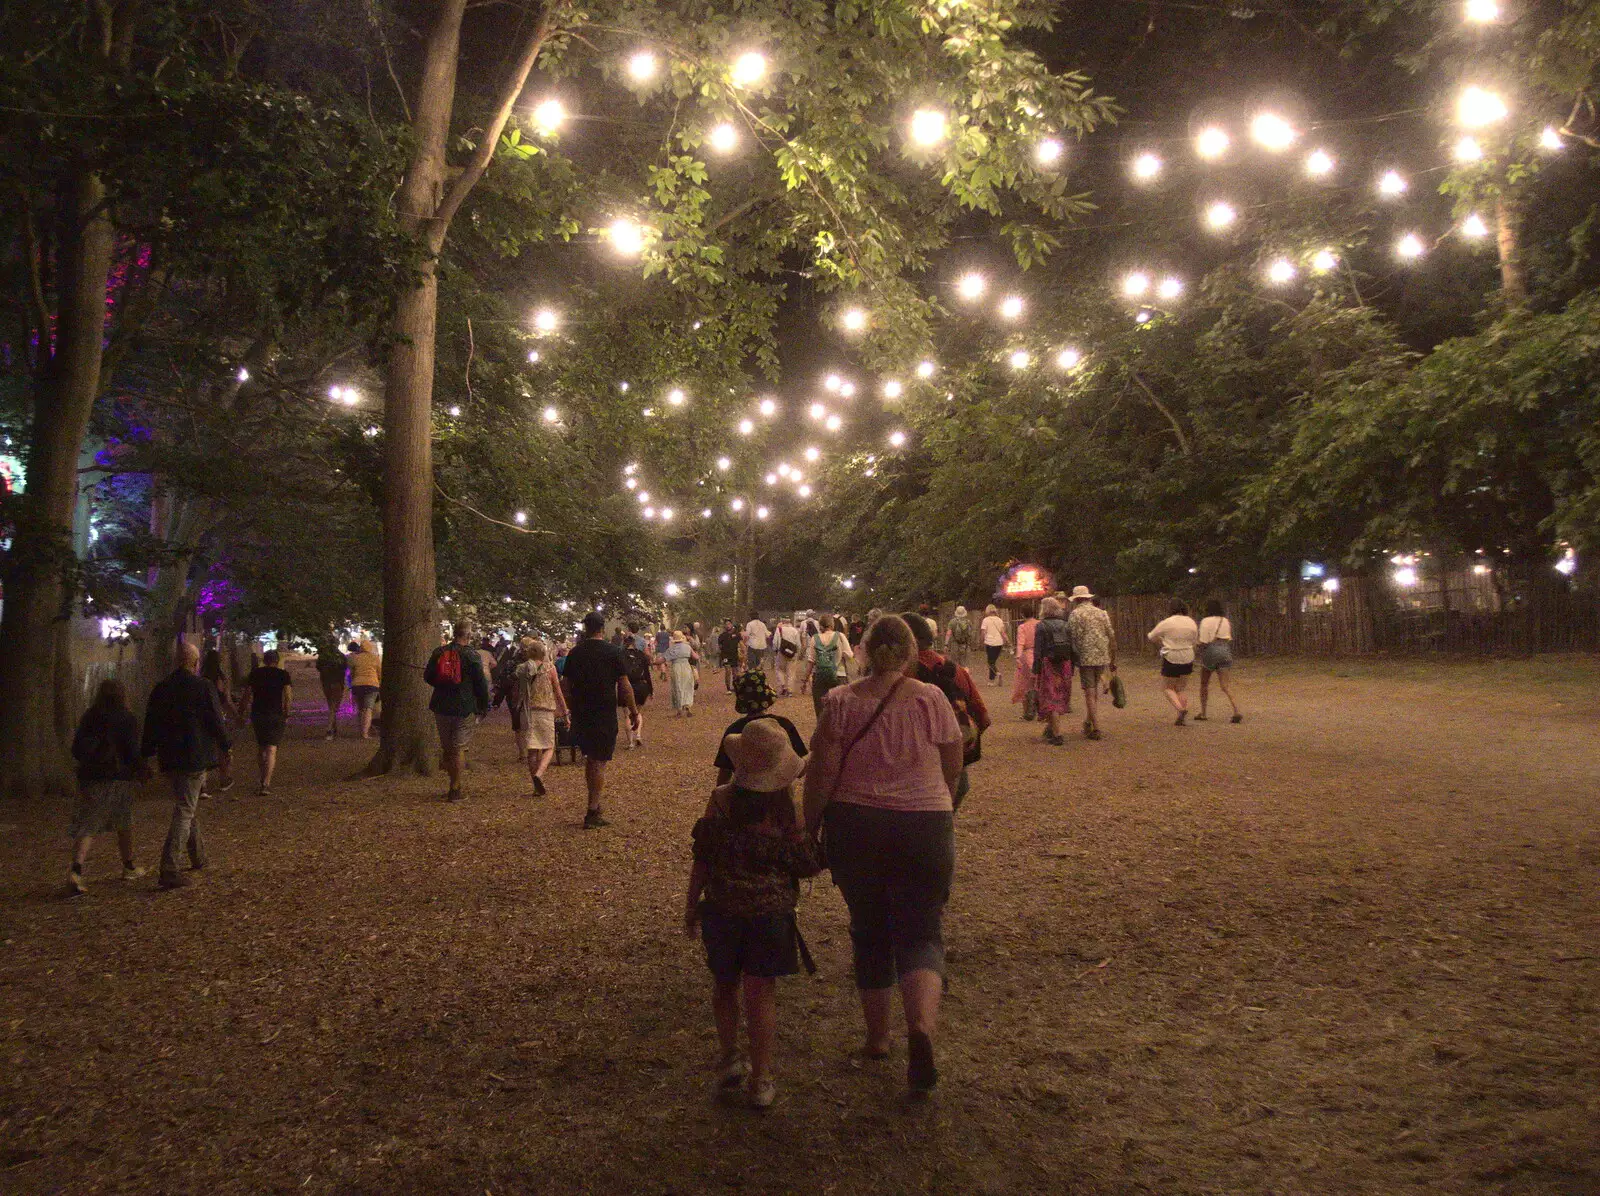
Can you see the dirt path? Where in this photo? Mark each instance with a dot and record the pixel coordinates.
(1349, 946)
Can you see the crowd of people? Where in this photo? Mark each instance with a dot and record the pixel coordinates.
(899, 723)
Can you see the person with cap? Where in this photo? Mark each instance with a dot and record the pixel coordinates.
(184, 731)
(681, 660)
(1094, 645)
(753, 698)
(596, 683)
(749, 855)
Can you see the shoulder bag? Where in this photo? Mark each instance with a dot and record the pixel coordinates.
(844, 757)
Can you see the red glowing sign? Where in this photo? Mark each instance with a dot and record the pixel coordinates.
(1026, 581)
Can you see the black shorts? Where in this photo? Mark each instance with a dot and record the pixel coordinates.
(1168, 669)
(596, 741)
(269, 731)
(763, 945)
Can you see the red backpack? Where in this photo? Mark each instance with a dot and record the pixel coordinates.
(449, 667)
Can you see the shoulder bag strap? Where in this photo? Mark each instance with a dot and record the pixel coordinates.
(860, 735)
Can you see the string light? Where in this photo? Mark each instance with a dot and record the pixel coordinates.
(833, 423)
(804, 491)
(746, 427)
(1068, 359)
(1319, 164)
(1410, 246)
(1468, 150)
(666, 514)
(521, 517)
(1146, 167)
(1550, 139)
(1220, 215)
(1136, 284)
(627, 237)
(925, 369)
(928, 127)
(648, 512)
(854, 319)
(1392, 183)
(1048, 152)
(1020, 359)
(533, 357)
(1478, 106)
(897, 439)
(1272, 133)
(971, 286)
(1170, 288)
(783, 472)
(642, 66)
(724, 464)
(1482, 12)
(544, 320)
(832, 383)
(671, 589)
(817, 411)
(1011, 307)
(551, 415)
(631, 483)
(549, 115)
(813, 453)
(892, 388)
(1212, 143)
(1473, 226)
(643, 497)
(1324, 260)
(1281, 271)
(762, 512)
(847, 390)
(455, 411)
(737, 505)
(768, 408)
(749, 69)
(723, 138)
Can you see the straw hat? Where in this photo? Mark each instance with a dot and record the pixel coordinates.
(1081, 594)
(763, 759)
(679, 638)
(961, 612)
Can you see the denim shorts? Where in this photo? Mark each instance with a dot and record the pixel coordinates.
(762, 945)
(895, 869)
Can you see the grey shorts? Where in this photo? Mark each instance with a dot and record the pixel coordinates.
(455, 730)
(365, 696)
(1218, 654)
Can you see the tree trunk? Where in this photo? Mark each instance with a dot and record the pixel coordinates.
(1513, 273)
(36, 593)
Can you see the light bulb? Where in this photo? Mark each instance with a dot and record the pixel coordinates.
(1319, 164)
(627, 237)
(971, 286)
(1135, 284)
(243, 375)
(1468, 150)
(813, 453)
(746, 426)
(892, 388)
(631, 483)
(1410, 246)
(676, 397)
(455, 411)
(551, 415)
(521, 517)
(1068, 359)
(783, 469)
(724, 464)
(1392, 183)
(804, 491)
(897, 439)
(854, 319)
(723, 138)
(666, 514)
(1020, 359)
(1272, 133)
(1011, 307)
(1550, 139)
(533, 357)
(1474, 226)
(549, 115)
(768, 408)
(1220, 215)
(762, 512)
(1281, 271)
(925, 369)
(1048, 152)
(833, 423)
(1211, 142)
(1170, 288)
(928, 126)
(643, 496)
(1482, 12)
(545, 320)
(1146, 166)
(749, 68)
(642, 66)
(832, 383)
(1324, 260)
(1477, 106)
(737, 504)
(847, 390)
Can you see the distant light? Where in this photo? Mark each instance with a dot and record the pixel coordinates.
(805, 492)
(817, 411)
(1142, 318)
(854, 319)
(671, 589)
(1319, 164)
(1281, 271)
(1330, 585)
(833, 423)
(737, 504)
(1011, 307)
(1170, 288)
(784, 469)
(1410, 246)
(1271, 132)
(666, 514)
(929, 126)
(971, 286)
(644, 497)
(1020, 359)
(551, 415)
(533, 357)
(724, 464)
(545, 320)
(642, 66)
(897, 439)
(1482, 12)
(1468, 150)
(1048, 152)
(1324, 260)
(631, 483)
(623, 387)
(847, 390)
(762, 512)
(768, 408)
(1221, 215)
(627, 236)
(771, 479)
(676, 397)
(813, 453)
(746, 426)
(1068, 359)
(520, 517)
(1550, 139)
(1567, 565)
(1146, 166)
(1405, 577)
(243, 375)
(1212, 142)
(1392, 183)
(705, 513)
(1477, 107)
(749, 68)
(1474, 226)
(726, 578)
(455, 411)
(892, 388)
(925, 369)
(549, 115)
(1136, 284)
(723, 138)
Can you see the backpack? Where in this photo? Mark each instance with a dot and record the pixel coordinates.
(788, 648)
(1054, 643)
(638, 668)
(448, 669)
(961, 632)
(96, 750)
(827, 657)
(944, 676)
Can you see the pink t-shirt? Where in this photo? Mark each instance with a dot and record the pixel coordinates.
(896, 765)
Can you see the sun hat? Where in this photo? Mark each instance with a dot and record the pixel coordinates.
(763, 759)
(679, 638)
(751, 693)
(1081, 594)
(961, 612)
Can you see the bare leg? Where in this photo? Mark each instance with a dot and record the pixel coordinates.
(537, 764)
(1227, 690)
(725, 1008)
(1052, 722)
(80, 850)
(269, 761)
(594, 775)
(919, 994)
(1091, 707)
(1205, 690)
(1169, 690)
(875, 1006)
(761, 1022)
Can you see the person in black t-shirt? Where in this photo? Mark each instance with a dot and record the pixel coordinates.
(595, 681)
(266, 698)
(752, 698)
(728, 650)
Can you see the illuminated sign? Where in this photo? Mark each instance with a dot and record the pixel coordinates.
(1025, 581)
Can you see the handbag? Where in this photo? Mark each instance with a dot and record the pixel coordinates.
(1119, 692)
(821, 839)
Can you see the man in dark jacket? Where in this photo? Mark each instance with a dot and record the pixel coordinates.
(184, 730)
(460, 699)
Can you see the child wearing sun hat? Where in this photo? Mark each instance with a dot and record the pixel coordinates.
(749, 854)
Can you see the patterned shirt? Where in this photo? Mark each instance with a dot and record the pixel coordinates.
(751, 870)
(1090, 628)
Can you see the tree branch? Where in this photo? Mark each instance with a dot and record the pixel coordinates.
(1177, 428)
(526, 531)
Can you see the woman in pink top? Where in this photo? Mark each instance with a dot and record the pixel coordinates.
(885, 760)
(1023, 689)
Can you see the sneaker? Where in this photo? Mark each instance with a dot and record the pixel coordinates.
(593, 821)
(225, 786)
(763, 1092)
(731, 1073)
(1056, 740)
(1238, 718)
(172, 880)
(329, 735)
(75, 885)
(1183, 717)
(453, 795)
(263, 791)
(538, 787)
(132, 873)
(921, 1074)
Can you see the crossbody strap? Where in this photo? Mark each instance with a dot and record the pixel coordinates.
(862, 734)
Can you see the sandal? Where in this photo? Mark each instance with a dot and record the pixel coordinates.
(1238, 718)
(1200, 718)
